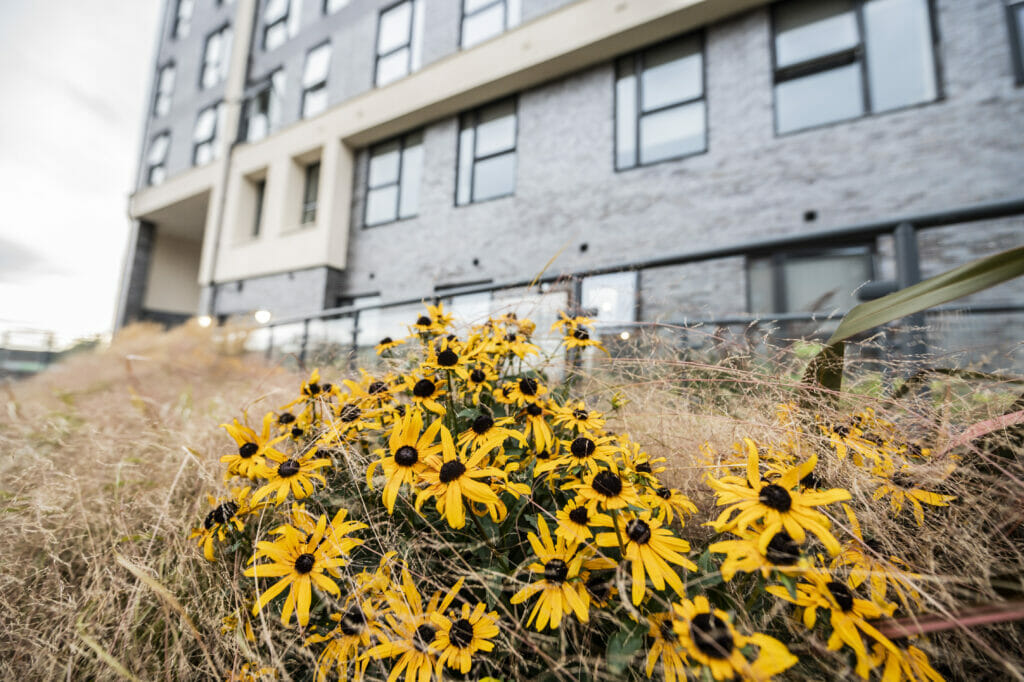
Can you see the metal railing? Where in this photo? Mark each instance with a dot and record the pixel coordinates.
(904, 229)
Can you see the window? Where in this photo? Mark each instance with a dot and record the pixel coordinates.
(398, 31)
(1015, 10)
(808, 281)
(487, 153)
(156, 160)
(393, 180)
(841, 59)
(260, 189)
(263, 110)
(204, 136)
(660, 110)
(183, 18)
(275, 23)
(314, 80)
(610, 299)
(216, 58)
(164, 90)
(483, 19)
(310, 193)
(331, 6)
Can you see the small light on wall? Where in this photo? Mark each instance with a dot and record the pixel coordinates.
(204, 320)
(262, 316)
(624, 336)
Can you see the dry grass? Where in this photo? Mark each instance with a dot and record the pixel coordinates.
(106, 457)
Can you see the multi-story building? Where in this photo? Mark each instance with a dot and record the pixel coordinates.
(303, 155)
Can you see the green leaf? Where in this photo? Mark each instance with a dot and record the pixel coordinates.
(825, 373)
(788, 583)
(623, 645)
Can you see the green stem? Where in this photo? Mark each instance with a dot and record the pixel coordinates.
(618, 533)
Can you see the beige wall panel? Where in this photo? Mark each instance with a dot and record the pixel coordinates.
(172, 285)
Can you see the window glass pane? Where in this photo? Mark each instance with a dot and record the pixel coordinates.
(334, 5)
(899, 53)
(381, 204)
(494, 177)
(412, 170)
(825, 282)
(486, 24)
(205, 124)
(394, 28)
(158, 149)
(761, 286)
(314, 101)
(469, 308)
(465, 166)
(203, 154)
(275, 36)
(392, 67)
(276, 97)
(274, 10)
(513, 13)
(312, 183)
(610, 298)
(469, 6)
(672, 132)
(812, 28)
(384, 164)
(820, 98)
(157, 174)
(318, 61)
(672, 73)
(496, 130)
(625, 121)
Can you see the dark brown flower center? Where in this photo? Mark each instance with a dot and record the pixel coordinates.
(598, 587)
(841, 593)
(352, 621)
(776, 497)
(534, 410)
(424, 636)
(580, 415)
(349, 413)
(782, 550)
(424, 388)
(447, 358)
(638, 531)
(461, 633)
(582, 447)
(285, 418)
(840, 430)
(386, 340)
(451, 471)
(313, 389)
(607, 484)
(220, 514)
(477, 376)
(581, 333)
(297, 432)
(556, 571)
(247, 450)
(644, 468)
(482, 424)
(304, 563)
(667, 631)
(287, 468)
(711, 635)
(528, 386)
(377, 387)
(423, 321)
(663, 493)
(579, 515)
(406, 456)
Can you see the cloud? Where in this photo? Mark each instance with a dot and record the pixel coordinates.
(17, 260)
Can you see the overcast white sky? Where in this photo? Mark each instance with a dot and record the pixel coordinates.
(74, 76)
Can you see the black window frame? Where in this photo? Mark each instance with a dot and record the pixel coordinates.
(283, 19)
(196, 144)
(475, 115)
(163, 163)
(310, 206)
(838, 59)
(1013, 7)
(319, 85)
(157, 92)
(637, 59)
(402, 146)
(220, 64)
(406, 45)
(260, 192)
(779, 258)
(480, 10)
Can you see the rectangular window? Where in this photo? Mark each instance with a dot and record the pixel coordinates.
(216, 58)
(808, 281)
(840, 59)
(398, 41)
(487, 153)
(331, 6)
(164, 90)
(310, 192)
(156, 160)
(204, 135)
(263, 110)
(183, 18)
(275, 23)
(393, 180)
(260, 189)
(610, 299)
(483, 19)
(660, 110)
(1015, 11)
(314, 80)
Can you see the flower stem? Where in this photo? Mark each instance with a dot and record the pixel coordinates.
(618, 534)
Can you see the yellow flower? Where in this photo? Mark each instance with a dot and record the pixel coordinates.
(667, 647)
(577, 417)
(911, 665)
(290, 474)
(251, 448)
(559, 588)
(649, 548)
(536, 426)
(357, 627)
(901, 487)
(427, 391)
(386, 344)
(461, 636)
(408, 450)
(585, 452)
(606, 489)
(574, 521)
(451, 479)
(436, 321)
(487, 433)
(866, 562)
(744, 556)
(224, 514)
(776, 503)
(668, 503)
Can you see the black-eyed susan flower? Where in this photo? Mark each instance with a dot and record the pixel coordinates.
(338, 528)
(427, 391)
(526, 390)
(637, 463)
(407, 449)
(480, 377)
(252, 448)
(462, 635)
(586, 452)
(849, 615)
(865, 562)
(224, 514)
(899, 484)
(911, 665)
(387, 344)
(649, 548)
(668, 503)
(487, 433)
(711, 641)
(450, 479)
(666, 647)
(290, 474)
(301, 562)
(560, 590)
(777, 503)
(356, 628)
(744, 556)
(536, 427)
(606, 489)
(574, 521)
(576, 417)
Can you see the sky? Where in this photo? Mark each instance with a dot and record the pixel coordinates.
(75, 76)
